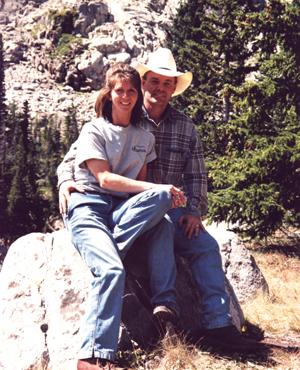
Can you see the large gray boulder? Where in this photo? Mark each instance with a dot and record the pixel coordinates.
(239, 265)
(43, 291)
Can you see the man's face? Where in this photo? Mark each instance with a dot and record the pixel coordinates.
(158, 89)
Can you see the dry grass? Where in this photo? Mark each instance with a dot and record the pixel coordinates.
(174, 354)
(180, 356)
(278, 314)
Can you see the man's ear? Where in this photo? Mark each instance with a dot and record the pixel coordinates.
(143, 81)
(175, 85)
(143, 89)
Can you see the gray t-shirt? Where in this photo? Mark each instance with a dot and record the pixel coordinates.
(126, 149)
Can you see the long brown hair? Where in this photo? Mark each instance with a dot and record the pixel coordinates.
(123, 71)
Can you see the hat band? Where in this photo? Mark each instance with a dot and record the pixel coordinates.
(168, 69)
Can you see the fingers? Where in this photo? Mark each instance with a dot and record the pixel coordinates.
(65, 190)
(62, 207)
(63, 202)
(79, 188)
(178, 201)
(192, 225)
(178, 197)
(195, 229)
(191, 231)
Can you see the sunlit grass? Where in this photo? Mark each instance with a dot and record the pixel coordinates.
(278, 312)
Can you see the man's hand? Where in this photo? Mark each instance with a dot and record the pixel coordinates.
(192, 225)
(64, 194)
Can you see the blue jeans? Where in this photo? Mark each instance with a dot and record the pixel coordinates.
(203, 255)
(103, 228)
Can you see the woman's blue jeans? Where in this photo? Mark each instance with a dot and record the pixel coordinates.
(103, 228)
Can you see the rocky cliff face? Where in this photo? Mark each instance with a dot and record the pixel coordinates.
(57, 51)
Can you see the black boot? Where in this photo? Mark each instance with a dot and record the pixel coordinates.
(228, 339)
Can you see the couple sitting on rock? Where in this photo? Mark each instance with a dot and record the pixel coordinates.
(138, 170)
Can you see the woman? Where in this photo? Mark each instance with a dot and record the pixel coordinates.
(117, 207)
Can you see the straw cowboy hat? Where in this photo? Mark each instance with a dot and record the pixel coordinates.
(161, 61)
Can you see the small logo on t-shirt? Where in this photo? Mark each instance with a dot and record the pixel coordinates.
(139, 148)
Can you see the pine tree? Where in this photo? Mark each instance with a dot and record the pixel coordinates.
(256, 182)
(3, 116)
(207, 39)
(70, 130)
(3, 110)
(50, 157)
(54, 160)
(24, 207)
(244, 56)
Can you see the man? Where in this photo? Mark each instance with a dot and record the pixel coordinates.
(180, 162)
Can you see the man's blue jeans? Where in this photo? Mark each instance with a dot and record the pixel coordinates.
(203, 255)
(103, 228)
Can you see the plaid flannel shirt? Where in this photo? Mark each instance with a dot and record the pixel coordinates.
(179, 160)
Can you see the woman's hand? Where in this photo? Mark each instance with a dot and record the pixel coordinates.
(178, 197)
(112, 181)
(64, 194)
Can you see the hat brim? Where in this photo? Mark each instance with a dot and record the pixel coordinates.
(184, 79)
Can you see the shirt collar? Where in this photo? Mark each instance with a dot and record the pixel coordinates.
(164, 117)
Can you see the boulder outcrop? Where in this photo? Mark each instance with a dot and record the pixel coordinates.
(43, 292)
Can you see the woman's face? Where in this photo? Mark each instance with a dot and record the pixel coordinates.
(123, 97)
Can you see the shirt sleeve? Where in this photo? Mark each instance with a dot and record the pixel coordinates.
(91, 144)
(151, 155)
(195, 178)
(65, 170)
